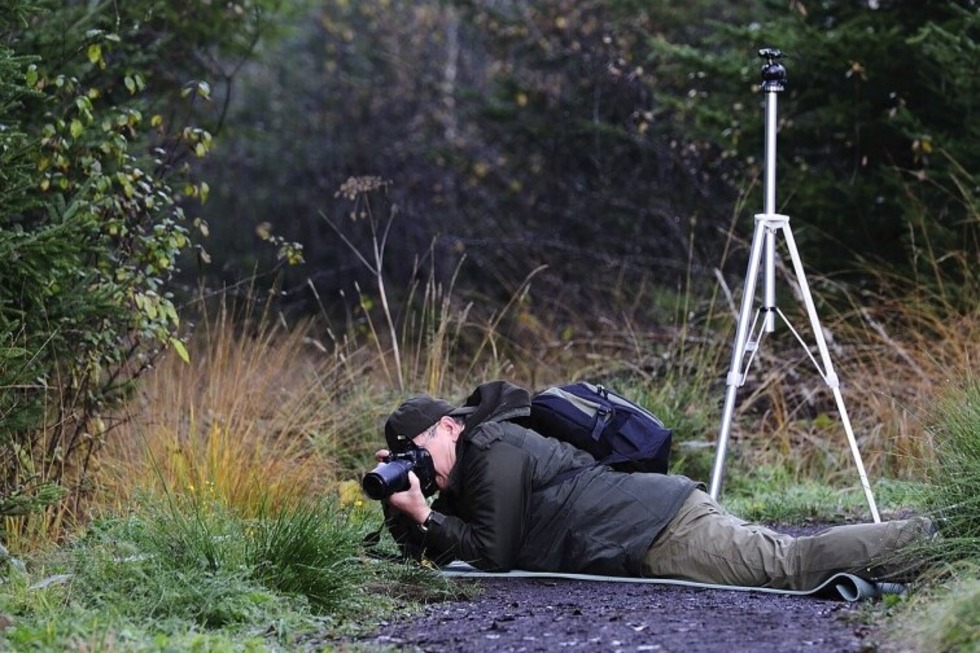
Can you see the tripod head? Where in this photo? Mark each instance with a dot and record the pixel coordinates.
(773, 73)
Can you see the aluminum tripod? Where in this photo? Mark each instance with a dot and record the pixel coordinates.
(748, 336)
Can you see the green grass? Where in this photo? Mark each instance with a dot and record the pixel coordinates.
(769, 495)
(954, 491)
(186, 575)
(945, 616)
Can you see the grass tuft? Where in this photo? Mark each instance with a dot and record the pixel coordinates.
(953, 495)
(179, 572)
(310, 550)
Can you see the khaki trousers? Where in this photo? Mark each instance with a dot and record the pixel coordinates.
(704, 543)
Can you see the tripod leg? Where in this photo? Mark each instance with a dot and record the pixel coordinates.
(830, 376)
(740, 346)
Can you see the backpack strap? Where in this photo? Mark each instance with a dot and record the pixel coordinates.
(619, 417)
(606, 417)
(600, 422)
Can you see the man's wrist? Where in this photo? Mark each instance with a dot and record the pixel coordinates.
(427, 521)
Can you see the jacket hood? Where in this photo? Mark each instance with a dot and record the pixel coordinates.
(495, 401)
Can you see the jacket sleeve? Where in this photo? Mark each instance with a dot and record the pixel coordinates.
(496, 493)
(405, 533)
(413, 543)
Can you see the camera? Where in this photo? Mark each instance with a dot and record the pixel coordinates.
(391, 475)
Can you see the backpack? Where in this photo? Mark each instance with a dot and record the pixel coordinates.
(616, 431)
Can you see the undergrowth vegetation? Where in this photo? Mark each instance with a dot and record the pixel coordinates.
(187, 477)
(183, 572)
(953, 495)
(945, 617)
(229, 513)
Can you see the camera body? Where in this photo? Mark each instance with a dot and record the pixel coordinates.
(391, 475)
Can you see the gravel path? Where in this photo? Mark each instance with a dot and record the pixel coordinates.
(515, 615)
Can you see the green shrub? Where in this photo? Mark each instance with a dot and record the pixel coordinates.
(103, 107)
(869, 119)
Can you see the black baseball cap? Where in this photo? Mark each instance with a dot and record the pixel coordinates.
(412, 417)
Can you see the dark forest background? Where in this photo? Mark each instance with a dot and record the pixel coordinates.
(150, 149)
(615, 142)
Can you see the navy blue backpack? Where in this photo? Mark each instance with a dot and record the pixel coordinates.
(616, 431)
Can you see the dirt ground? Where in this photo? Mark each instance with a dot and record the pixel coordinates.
(534, 615)
(516, 615)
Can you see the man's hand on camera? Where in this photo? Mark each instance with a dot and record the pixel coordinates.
(411, 502)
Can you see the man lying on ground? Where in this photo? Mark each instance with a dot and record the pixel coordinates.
(510, 498)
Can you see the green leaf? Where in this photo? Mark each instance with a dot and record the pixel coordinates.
(94, 52)
(180, 349)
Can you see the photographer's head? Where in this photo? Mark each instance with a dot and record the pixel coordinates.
(412, 418)
(427, 423)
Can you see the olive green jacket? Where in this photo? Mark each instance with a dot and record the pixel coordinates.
(503, 507)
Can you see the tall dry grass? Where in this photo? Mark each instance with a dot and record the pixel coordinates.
(898, 340)
(240, 423)
(270, 411)
(288, 409)
(895, 351)
(292, 408)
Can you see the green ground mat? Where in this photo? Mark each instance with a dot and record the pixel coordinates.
(841, 586)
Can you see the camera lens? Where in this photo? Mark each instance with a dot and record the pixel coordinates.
(386, 479)
(375, 486)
